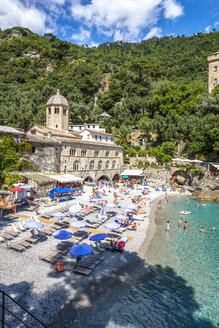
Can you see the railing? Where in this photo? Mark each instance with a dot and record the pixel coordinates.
(7, 315)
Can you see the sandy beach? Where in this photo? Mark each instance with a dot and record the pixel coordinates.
(50, 295)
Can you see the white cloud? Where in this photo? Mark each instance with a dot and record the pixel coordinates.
(208, 29)
(81, 36)
(172, 9)
(15, 13)
(124, 19)
(155, 31)
(216, 24)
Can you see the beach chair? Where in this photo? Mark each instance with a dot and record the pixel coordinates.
(6, 236)
(14, 228)
(86, 264)
(31, 240)
(20, 226)
(12, 233)
(82, 270)
(24, 243)
(16, 247)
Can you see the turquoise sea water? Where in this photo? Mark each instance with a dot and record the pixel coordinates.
(177, 285)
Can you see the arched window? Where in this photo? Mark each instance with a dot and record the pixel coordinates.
(100, 165)
(107, 164)
(114, 165)
(72, 152)
(76, 165)
(91, 166)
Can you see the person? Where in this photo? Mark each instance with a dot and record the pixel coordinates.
(202, 229)
(187, 198)
(36, 209)
(180, 222)
(204, 205)
(185, 225)
(197, 204)
(168, 226)
(213, 228)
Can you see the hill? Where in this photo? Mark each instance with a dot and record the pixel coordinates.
(157, 86)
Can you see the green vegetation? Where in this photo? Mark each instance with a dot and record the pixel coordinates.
(157, 87)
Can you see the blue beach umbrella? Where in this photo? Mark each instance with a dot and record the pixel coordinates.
(132, 207)
(74, 209)
(111, 205)
(80, 250)
(112, 225)
(99, 237)
(33, 224)
(59, 214)
(78, 224)
(121, 217)
(62, 234)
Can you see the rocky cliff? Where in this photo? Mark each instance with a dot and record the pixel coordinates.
(207, 190)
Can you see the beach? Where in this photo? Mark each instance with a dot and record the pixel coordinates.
(50, 295)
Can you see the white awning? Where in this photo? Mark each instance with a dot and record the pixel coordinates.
(66, 178)
(133, 173)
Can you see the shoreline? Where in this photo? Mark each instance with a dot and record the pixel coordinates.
(107, 290)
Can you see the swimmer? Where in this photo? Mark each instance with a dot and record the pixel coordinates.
(180, 222)
(168, 226)
(187, 198)
(197, 204)
(185, 225)
(202, 229)
(213, 228)
(204, 205)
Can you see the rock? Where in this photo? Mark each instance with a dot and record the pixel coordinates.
(207, 190)
(181, 180)
(32, 55)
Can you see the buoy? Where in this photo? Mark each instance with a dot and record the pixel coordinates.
(13, 208)
(59, 267)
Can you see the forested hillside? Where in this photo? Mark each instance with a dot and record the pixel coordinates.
(157, 86)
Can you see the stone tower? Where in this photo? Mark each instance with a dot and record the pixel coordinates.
(57, 112)
(213, 71)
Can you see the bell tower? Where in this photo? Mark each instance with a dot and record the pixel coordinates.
(57, 112)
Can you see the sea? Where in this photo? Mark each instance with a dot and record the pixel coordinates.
(177, 283)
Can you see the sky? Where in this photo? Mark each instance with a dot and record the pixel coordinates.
(93, 22)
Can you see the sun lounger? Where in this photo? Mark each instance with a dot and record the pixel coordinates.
(20, 226)
(86, 264)
(14, 228)
(82, 270)
(6, 236)
(24, 243)
(17, 247)
(31, 240)
(12, 233)
(50, 258)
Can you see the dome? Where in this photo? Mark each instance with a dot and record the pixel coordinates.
(57, 100)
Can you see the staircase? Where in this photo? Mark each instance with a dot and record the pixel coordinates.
(12, 314)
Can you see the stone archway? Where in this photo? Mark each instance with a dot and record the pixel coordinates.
(103, 177)
(116, 177)
(88, 179)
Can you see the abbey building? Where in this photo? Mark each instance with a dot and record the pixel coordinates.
(86, 151)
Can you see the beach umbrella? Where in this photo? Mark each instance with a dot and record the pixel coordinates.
(59, 214)
(16, 189)
(125, 239)
(121, 217)
(33, 224)
(99, 237)
(78, 224)
(132, 207)
(80, 250)
(97, 200)
(62, 234)
(111, 205)
(74, 209)
(121, 244)
(112, 225)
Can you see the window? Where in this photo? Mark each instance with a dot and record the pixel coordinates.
(34, 150)
(83, 152)
(215, 81)
(96, 153)
(56, 126)
(111, 139)
(91, 166)
(93, 126)
(100, 165)
(88, 126)
(64, 111)
(80, 127)
(56, 110)
(100, 137)
(33, 131)
(95, 137)
(88, 136)
(107, 153)
(72, 152)
(106, 139)
(49, 111)
(107, 164)
(215, 68)
(114, 165)
(117, 153)
(76, 165)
